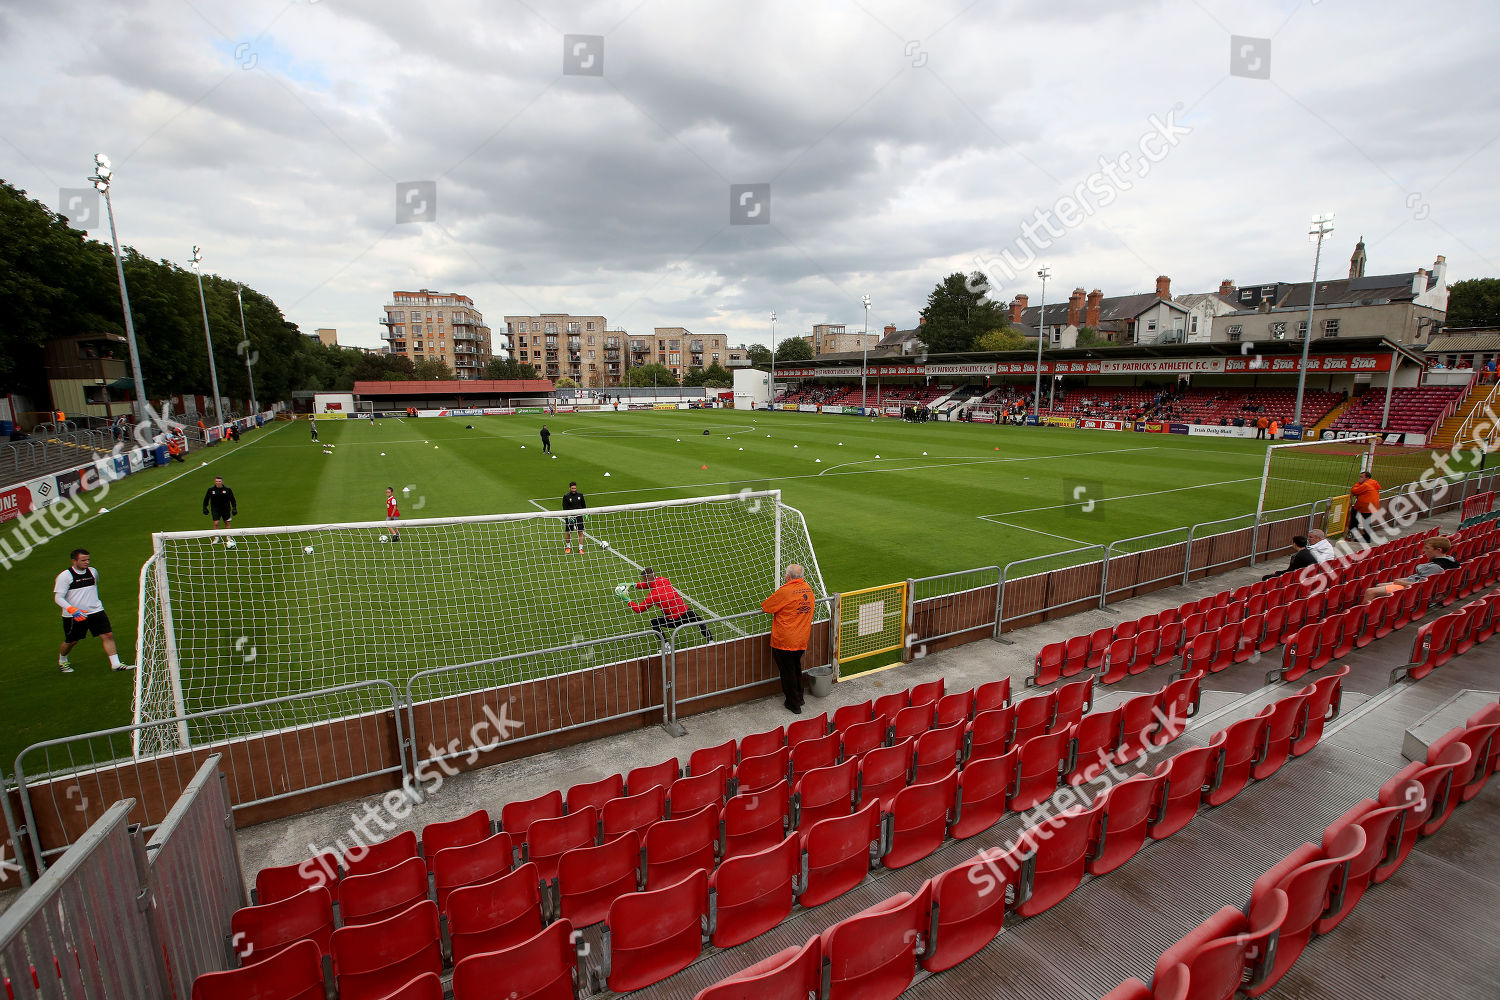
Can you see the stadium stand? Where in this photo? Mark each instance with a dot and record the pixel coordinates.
(1413, 410)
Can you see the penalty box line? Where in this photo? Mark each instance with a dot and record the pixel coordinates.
(612, 550)
(1097, 500)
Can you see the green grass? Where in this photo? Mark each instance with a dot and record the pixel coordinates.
(939, 497)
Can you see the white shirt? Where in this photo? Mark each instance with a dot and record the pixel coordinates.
(1323, 550)
(78, 590)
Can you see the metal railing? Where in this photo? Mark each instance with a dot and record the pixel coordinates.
(1148, 564)
(952, 604)
(1027, 587)
(276, 758)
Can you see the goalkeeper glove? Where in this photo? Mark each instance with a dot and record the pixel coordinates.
(78, 616)
(622, 591)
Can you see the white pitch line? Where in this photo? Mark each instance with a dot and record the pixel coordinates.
(976, 461)
(1049, 534)
(1132, 496)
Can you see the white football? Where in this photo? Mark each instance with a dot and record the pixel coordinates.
(307, 549)
(230, 543)
(385, 538)
(604, 545)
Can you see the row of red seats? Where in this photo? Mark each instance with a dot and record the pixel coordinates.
(1313, 889)
(875, 954)
(1440, 640)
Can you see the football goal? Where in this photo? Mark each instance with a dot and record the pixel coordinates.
(1303, 473)
(270, 612)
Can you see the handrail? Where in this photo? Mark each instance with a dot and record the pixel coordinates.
(1484, 404)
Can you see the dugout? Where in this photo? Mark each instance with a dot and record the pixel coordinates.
(450, 394)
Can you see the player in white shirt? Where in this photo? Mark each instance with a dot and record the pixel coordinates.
(76, 591)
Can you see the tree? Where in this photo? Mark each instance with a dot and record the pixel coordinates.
(1474, 302)
(716, 376)
(793, 349)
(506, 368)
(1088, 336)
(1007, 338)
(653, 374)
(431, 369)
(565, 383)
(759, 355)
(956, 316)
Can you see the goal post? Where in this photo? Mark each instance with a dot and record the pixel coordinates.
(1302, 474)
(296, 608)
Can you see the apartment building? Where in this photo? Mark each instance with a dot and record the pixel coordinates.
(833, 338)
(437, 326)
(561, 344)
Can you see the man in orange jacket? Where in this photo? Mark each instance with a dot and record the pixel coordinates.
(791, 611)
(1366, 495)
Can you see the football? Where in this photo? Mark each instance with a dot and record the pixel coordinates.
(604, 545)
(385, 538)
(307, 549)
(230, 543)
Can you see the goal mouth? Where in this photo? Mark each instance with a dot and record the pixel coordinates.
(302, 608)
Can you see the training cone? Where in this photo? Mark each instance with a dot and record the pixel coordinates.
(924, 452)
(202, 464)
(382, 454)
(877, 456)
(817, 461)
(606, 475)
(705, 466)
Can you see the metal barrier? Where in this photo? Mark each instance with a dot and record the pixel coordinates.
(12, 843)
(467, 710)
(85, 928)
(1132, 566)
(871, 621)
(1043, 587)
(196, 880)
(77, 775)
(952, 604)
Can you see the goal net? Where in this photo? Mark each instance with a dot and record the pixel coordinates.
(1300, 474)
(303, 608)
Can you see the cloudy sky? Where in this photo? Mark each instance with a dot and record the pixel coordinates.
(586, 157)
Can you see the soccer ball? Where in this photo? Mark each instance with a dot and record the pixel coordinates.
(307, 549)
(385, 538)
(230, 543)
(604, 545)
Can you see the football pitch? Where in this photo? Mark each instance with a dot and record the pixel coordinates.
(884, 500)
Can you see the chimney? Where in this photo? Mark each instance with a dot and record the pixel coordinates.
(1226, 287)
(1440, 269)
(1163, 287)
(1419, 281)
(890, 328)
(1091, 313)
(1075, 307)
(1017, 306)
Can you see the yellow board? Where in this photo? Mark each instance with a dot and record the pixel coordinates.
(1337, 518)
(871, 621)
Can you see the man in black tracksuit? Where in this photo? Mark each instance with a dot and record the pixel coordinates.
(546, 440)
(220, 500)
(573, 500)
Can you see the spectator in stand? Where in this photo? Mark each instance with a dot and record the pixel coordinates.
(1489, 371)
(1302, 558)
(1319, 545)
(1436, 550)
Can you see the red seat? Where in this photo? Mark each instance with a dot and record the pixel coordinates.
(516, 817)
(277, 883)
(381, 855)
(688, 795)
(1187, 775)
(1272, 629)
(1302, 650)
(1168, 644)
(369, 959)
(1490, 713)
(1143, 653)
(548, 839)
(757, 820)
(1073, 700)
(1094, 741)
(654, 934)
(595, 793)
(851, 715)
(884, 772)
(725, 755)
(816, 752)
(1179, 703)
(676, 846)
(862, 737)
(1464, 785)
(888, 705)
(633, 812)
(470, 864)
(912, 721)
(1039, 769)
(990, 732)
(969, 902)
(1198, 656)
(1099, 642)
(753, 892)
(470, 829)
(426, 986)
(1382, 825)
(838, 853)
(1324, 696)
(1353, 626)
(1286, 724)
(1306, 876)
(926, 694)
(643, 779)
(1418, 789)
(294, 973)
(1138, 720)
(790, 974)
(806, 729)
(954, 709)
(760, 744)
(1223, 954)
(543, 967)
(762, 771)
(984, 789)
(1061, 845)
(920, 815)
(1034, 716)
(1241, 745)
(826, 792)
(589, 878)
(1129, 808)
(367, 899)
(259, 932)
(1434, 646)
(873, 954)
(1076, 655)
(1117, 660)
(1049, 664)
(992, 695)
(1380, 620)
(494, 915)
(937, 752)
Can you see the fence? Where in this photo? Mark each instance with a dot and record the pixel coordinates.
(1136, 566)
(871, 621)
(1041, 588)
(942, 610)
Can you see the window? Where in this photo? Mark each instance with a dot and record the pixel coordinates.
(676, 345)
(1150, 325)
(716, 359)
(1234, 333)
(1056, 336)
(573, 328)
(1330, 328)
(1193, 325)
(535, 326)
(591, 324)
(591, 339)
(552, 328)
(535, 340)
(591, 355)
(1278, 331)
(440, 315)
(1302, 330)
(674, 359)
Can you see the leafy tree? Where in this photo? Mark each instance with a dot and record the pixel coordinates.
(433, 369)
(1474, 302)
(956, 317)
(395, 377)
(1007, 338)
(1088, 336)
(653, 374)
(759, 355)
(715, 376)
(565, 382)
(793, 349)
(508, 368)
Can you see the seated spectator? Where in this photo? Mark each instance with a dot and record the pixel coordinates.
(1319, 545)
(1438, 561)
(1301, 558)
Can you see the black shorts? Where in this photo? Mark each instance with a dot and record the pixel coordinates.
(221, 515)
(573, 523)
(95, 624)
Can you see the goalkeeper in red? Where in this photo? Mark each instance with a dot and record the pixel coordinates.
(661, 594)
(76, 591)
